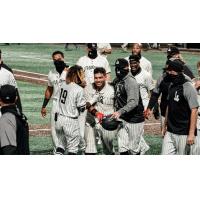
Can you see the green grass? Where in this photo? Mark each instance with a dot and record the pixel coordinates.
(43, 145)
(32, 98)
(37, 57)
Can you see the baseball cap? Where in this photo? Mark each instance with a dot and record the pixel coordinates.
(172, 51)
(92, 45)
(121, 63)
(134, 58)
(8, 93)
(175, 65)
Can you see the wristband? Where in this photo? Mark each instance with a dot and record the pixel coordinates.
(45, 102)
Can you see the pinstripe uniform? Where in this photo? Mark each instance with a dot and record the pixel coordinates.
(6, 78)
(182, 98)
(129, 104)
(145, 82)
(55, 80)
(103, 101)
(89, 65)
(71, 99)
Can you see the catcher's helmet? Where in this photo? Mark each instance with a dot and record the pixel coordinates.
(109, 123)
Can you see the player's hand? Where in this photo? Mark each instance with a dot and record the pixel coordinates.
(190, 139)
(164, 130)
(147, 113)
(116, 115)
(197, 84)
(43, 112)
(99, 116)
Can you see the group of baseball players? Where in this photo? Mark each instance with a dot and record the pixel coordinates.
(89, 109)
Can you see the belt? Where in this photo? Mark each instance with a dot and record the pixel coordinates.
(68, 116)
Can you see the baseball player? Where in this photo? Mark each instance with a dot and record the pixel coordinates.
(144, 63)
(92, 61)
(71, 104)
(180, 122)
(100, 103)
(143, 78)
(89, 62)
(55, 78)
(129, 108)
(104, 49)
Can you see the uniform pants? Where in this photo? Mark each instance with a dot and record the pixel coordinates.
(107, 137)
(130, 138)
(58, 140)
(70, 130)
(174, 144)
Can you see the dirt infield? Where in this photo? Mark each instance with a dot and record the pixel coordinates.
(152, 126)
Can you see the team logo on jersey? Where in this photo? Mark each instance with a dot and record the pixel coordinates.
(176, 97)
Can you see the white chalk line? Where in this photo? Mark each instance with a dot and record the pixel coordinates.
(17, 70)
(38, 79)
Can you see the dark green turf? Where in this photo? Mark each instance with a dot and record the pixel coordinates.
(43, 145)
(37, 57)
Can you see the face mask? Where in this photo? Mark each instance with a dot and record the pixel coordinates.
(92, 54)
(59, 65)
(121, 72)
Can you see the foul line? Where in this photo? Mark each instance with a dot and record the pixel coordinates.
(22, 76)
(17, 70)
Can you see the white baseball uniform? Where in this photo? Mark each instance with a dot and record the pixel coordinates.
(7, 78)
(55, 80)
(145, 82)
(89, 65)
(144, 64)
(101, 46)
(67, 125)
(103, 102)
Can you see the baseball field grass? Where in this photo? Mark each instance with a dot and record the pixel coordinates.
(37, 58)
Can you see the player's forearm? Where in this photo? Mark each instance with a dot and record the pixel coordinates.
(47, 96)
(153, 100)
(193, 121)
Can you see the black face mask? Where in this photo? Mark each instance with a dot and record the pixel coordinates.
(175, 79)
(92, 54)
(121, 72)
(60, 66)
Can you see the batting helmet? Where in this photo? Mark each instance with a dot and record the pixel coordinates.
(109, 123)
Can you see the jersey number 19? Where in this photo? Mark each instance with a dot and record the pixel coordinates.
(63, 96)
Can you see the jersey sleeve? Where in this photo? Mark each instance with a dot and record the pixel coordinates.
(149, 82)
(50, 84)
(79, 62)
(190, 95)
(81, 100)
(12, 80)
(132, 90)
(107, 66)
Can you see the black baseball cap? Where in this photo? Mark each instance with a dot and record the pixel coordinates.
(134, 58)
(175, 65)
(121, 63)
(172, 51)
(92, 45)
(8, 93)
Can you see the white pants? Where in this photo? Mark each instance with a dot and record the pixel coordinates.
(58, 141)
(174, 144)
(107, 138)
(130, 138)
(69, 129)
